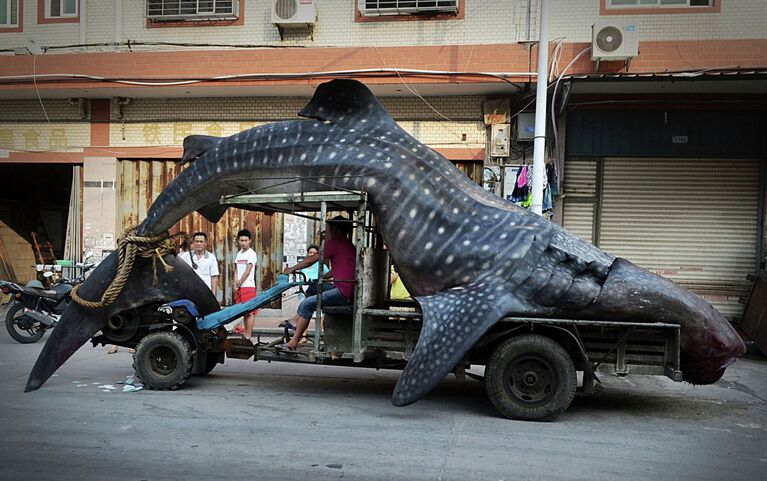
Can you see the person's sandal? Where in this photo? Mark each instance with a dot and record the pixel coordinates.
(284, 347)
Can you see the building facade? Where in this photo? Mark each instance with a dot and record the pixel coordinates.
(660, 156)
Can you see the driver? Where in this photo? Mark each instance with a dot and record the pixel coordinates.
(342, 255)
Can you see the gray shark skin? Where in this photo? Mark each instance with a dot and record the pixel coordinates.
(468, 257)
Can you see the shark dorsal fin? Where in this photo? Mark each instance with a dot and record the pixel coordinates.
(196, 145)
(344, 102)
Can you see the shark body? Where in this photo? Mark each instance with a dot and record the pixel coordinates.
(468, 257)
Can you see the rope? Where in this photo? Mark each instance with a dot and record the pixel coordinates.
(129, 247)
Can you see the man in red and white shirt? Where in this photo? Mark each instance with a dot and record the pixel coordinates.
(245, 282)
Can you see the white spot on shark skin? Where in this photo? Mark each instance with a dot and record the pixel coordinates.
(475, 228)
(426, 192)
(441, 230)
(455, 210)
(371, 182)
(311, 138)
(413, 213)
(403, 156)
(218, 169)
(279, 158)
(429, 245)
(303, 156)
(332, 155)
(466, 242)
(411, 177)
(396, 193)
(504, 235)
(359, 156)
(199, 177)
(432, 214)
(284, 140)
(387, 165)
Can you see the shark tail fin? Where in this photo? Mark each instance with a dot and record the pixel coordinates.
(196, 145)
(344, 101)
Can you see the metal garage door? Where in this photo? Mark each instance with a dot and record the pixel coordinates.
(691, 220)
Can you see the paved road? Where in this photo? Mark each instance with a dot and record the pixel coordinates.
(259, 421)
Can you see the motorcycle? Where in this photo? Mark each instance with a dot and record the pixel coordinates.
(36, 309)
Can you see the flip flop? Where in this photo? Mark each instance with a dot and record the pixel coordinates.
(284, 347)
(287, 325)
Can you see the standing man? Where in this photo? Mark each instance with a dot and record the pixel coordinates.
(245, 283)
(202, 261)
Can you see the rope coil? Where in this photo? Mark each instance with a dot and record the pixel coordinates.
(130, 246)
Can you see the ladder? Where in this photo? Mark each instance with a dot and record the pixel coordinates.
(43, 249)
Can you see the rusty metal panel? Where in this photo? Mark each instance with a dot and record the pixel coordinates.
(471, 168)
(141, 181)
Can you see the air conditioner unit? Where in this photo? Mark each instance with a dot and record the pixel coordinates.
(614, 41)
(294, 13)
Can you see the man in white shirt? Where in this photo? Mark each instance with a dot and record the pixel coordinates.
(245, 282)
(203, 262)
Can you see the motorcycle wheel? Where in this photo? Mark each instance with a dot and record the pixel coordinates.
(21, 330)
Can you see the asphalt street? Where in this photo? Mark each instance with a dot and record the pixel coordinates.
(261, 421)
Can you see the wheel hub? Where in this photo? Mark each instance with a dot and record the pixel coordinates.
(163, 360)
(531, 380)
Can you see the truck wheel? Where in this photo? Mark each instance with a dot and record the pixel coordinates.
(163, 360)
(22, 328)
(530, 377)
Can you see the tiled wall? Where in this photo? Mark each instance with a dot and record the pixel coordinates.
(165, 122)
(485, 22)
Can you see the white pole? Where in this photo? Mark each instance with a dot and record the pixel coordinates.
(539, 147)
(118, 23)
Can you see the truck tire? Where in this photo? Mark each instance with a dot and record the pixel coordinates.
(163, 360)
(25, 331)
(530, 377)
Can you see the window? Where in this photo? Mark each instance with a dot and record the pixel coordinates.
(195, 10)
(60, 8)
(9, 13)
(378, 8)
(658, 3)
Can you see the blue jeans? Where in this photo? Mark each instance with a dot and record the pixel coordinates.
(333, 297)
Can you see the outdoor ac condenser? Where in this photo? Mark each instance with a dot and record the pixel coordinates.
(294, 13)
(614, 41)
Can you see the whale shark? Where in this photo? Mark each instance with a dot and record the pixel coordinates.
(468, 257)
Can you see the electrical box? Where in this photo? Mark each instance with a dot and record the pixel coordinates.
(500, 140)
(526, 127)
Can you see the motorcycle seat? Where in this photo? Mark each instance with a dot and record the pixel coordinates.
(45, 293)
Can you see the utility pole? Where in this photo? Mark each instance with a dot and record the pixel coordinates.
(539, 148)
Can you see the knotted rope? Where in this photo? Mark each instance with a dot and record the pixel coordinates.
(129, 246)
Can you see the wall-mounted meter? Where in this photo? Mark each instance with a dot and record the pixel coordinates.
(500, 140)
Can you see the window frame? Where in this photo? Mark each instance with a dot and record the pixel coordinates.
(43, 7)
(191, 22)
(606, 9)
(359, 17)
(19, 25)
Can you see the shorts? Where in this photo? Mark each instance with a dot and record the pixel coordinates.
(245, 294)
(333, 297)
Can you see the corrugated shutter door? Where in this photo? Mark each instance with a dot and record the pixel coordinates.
(693, 221)
(580, 189)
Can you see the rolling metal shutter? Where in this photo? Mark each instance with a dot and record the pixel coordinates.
(580, 197)
(693, 221)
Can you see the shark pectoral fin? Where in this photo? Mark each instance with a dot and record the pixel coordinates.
(196, 145)
(212, 212)
(452, 322)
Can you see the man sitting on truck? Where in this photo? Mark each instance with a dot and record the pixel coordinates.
(342, 256)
